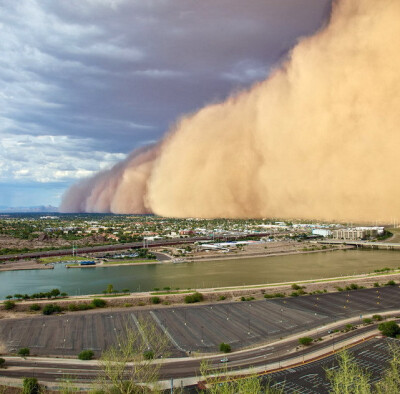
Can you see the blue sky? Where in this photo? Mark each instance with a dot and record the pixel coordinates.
(84, 82)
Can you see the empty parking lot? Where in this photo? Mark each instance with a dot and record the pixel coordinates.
(194, 328)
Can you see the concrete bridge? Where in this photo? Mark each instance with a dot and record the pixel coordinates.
(363, 244)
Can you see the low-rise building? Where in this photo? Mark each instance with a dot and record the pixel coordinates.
(357, 233)
(323, 232)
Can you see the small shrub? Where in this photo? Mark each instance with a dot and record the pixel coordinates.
(225, 347)
(221, 298)
(391, 283)
(49, 309)
(99, 303)
(339, 288)
(165, 302)
(127, 305)
(296, 287)
(125, 290)
(294, 294)
(30, 386)
(9, 305)
(305, 341)
(141, 303)
(376, 284)
(377, 317)
(167, 288)
(195, 297)
(275, 295)
(2, 362)
(86, 355)
(23, 352)
(348, 327)
(155, 300)
(35, 307)
(148, 355)
(367, 321)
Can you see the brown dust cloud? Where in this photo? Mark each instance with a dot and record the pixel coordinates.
(318, 139)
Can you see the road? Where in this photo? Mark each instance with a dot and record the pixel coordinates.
(85, 372)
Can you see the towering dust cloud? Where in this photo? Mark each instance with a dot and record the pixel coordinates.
(319, 138)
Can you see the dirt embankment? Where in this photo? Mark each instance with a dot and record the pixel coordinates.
(143, 300)
(23, 265)
(46, 241)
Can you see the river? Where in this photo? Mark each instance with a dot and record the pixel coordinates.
(246, 271)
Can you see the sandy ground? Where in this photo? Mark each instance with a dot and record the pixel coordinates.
(23, 265)
(396, 235)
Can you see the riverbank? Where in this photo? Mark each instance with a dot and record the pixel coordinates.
(166, 299)
(24, 265)
(115, 264)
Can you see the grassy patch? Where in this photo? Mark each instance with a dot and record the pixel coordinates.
(112, 295)
(56, 259)
(171, 292)
(129, 262)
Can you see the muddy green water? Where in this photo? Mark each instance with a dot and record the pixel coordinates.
(197, 275)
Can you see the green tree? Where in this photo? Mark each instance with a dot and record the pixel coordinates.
(195, 297)
(9, 305)
(23, 352)
(225, 347)
(305, 341)
(49, 309)
(55, 293)
(86, 354)
(99, 303)
(155, 300)
(389, 329)
(110, 288)
(2, 362)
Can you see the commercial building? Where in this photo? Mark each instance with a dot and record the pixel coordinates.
(357, 233)
(323, 232)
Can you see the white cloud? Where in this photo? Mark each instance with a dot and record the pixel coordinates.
(49, 158)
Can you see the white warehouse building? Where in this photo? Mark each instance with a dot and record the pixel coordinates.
(324, 232)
